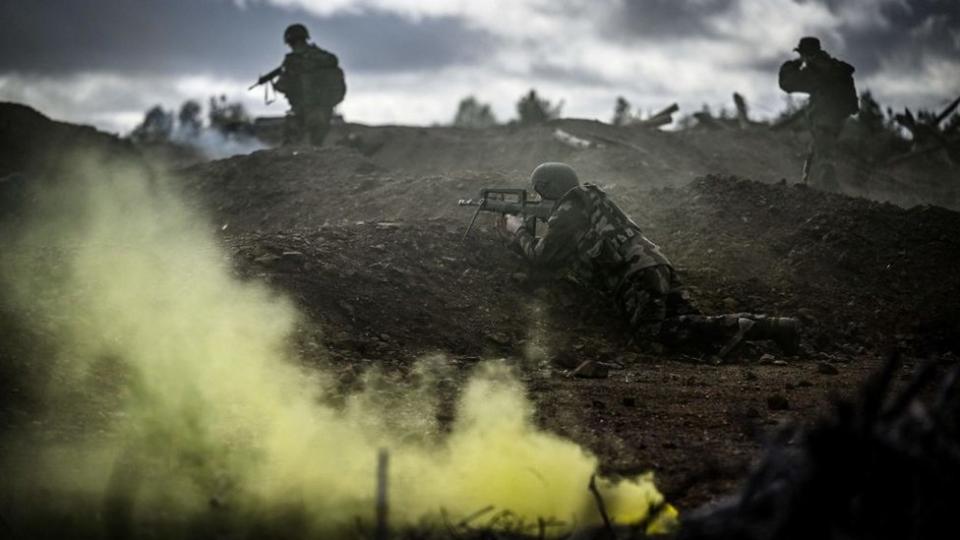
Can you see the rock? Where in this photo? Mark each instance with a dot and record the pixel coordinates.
(565, 359)
(730, 304)
(826, 369)
(779, 362)
(767, 358)
(499, 339)
(347, 307)
(778, 402)
(266, 259)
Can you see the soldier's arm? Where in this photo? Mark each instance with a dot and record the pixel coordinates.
(283, 83)
(559, 244)
(794, 78)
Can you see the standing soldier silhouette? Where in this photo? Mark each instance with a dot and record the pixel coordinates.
(313, 83)
(833, 98)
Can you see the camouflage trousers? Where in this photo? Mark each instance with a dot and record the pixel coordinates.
(658, 309)
(819, 168)
(307, 126)
(651, 297)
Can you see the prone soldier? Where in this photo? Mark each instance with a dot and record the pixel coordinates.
(589, 236)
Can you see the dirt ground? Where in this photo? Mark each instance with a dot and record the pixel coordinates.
(368, 241)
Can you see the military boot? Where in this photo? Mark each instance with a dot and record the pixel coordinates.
(784, 331)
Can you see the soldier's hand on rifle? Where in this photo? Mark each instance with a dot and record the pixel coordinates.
(508, 225)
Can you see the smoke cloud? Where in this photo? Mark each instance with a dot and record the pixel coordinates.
(176, 405)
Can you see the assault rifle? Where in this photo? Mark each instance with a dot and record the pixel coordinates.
(508, 201)
(264, 79)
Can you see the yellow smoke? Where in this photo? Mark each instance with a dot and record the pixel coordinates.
(179, 396)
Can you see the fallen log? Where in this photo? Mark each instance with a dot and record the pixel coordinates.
(660, 118)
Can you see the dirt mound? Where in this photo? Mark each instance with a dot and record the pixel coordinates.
(636, 156)
(861, 273)
(30, 140)
(858, 271)
(631, 155)
(367, 240)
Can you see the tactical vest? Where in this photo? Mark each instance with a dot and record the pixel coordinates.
(613, 247)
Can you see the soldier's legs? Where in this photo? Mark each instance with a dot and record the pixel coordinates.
(643, 300)
(728, 331)
(658, 309)
(651, 296)
(293, 128)
(318, 125)
(821, 167)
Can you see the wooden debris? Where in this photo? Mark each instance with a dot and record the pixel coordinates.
(601, 507)
(660, 118)
(382, 531)
(742, 112)
(928, 136)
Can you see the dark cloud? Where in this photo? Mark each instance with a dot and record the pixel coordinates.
(915, 29)
(659, 19)
(553, 71)
(215, 37)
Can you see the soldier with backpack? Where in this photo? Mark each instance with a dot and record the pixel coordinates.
(590, 239)
(313, 83)
(833, 98)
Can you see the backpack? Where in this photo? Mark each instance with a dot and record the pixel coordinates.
(332, 85)
(320, 78)
(842, 89)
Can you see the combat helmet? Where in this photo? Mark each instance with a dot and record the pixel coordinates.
(808, 45)
(295, 33)
(552, 179)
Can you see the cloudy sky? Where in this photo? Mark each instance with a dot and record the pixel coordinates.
(104, 62)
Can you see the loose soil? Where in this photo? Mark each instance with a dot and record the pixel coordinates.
(368, 241)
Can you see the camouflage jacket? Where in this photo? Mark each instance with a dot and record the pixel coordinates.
(589, 236)
(833, 94)
(311, 77)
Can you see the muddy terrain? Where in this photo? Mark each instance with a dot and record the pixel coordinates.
(366, 238)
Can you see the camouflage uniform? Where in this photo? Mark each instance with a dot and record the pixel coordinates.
(309, 79)
(591, 238)
(833, 97)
